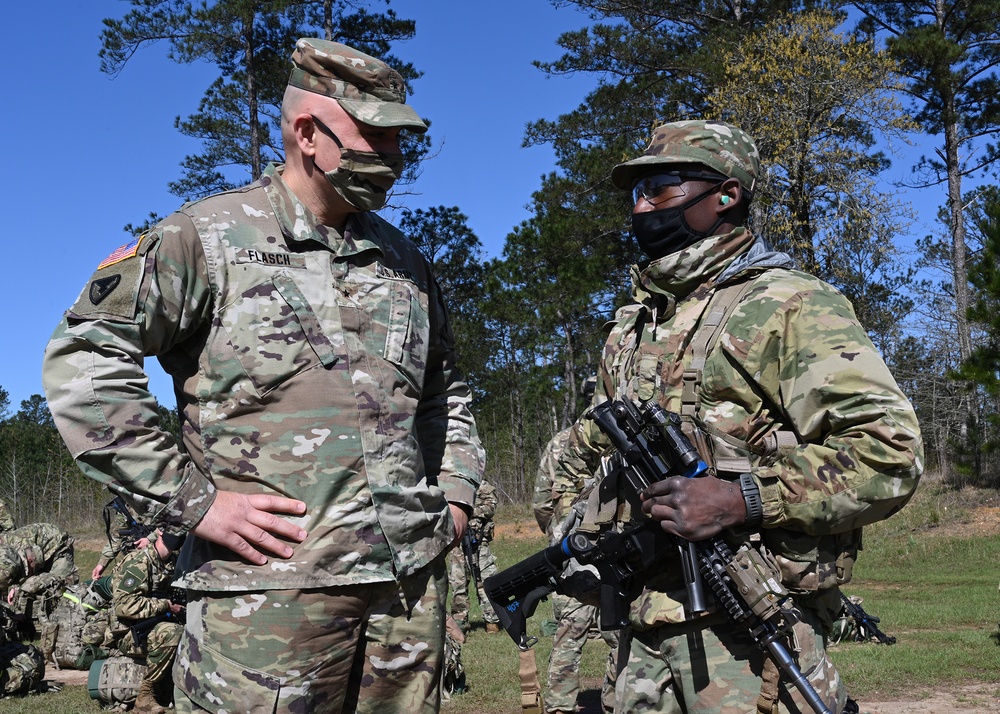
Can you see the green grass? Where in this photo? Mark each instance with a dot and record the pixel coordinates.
(931, 580)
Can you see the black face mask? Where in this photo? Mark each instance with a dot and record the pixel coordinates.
(666, 231)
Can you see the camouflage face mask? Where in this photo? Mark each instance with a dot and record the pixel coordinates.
(363, 178)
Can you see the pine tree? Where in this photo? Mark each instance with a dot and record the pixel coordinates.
(249, 41)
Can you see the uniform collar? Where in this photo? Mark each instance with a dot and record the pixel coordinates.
(660, 283)
(299, 225)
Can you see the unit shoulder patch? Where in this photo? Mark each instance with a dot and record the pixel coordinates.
(113, 289)
(102, 287)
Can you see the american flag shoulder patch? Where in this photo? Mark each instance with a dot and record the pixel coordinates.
(126, 251)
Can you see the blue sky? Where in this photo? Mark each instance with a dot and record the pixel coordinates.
(88, 154)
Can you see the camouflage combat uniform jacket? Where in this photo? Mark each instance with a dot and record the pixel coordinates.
(791, 357)
(309, 364)
(550, 484)
(140, 584)
(47, 557)
(485, 507)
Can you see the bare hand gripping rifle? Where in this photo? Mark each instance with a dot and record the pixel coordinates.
(650, 442)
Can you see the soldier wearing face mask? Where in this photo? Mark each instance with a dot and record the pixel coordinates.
(805, 432)
(329, 458)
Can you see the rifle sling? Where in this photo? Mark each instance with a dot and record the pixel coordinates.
(531, 692)
(767, 702)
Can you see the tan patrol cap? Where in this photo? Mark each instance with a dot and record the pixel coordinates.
(367, 88)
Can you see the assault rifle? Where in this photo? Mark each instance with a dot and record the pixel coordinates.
(652, 446)
(141, 628)
(867, 624)
(470, 549)
(133, 530)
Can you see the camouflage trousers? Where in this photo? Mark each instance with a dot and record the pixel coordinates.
(458, 581)
(575, 622)
(370, 647)
(159, 649)
(22, 669)
(677, 669)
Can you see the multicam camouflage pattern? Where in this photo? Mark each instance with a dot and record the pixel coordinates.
(723, 676)
(72, 624)
(139, 584)
(6, 519)
(452, 671)
(481, 524)
(118, 680)
(554, 496)
(118, 522)
(715, 144)
(277, 651)
(791, 356)
(22, 669)
(551, 484)
(366, 87)
(576, 623)
(312, 365)
(38, 558)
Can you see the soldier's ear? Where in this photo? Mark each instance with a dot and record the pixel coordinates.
(730, 193)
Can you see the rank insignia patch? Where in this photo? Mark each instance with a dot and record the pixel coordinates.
(102, 287)
(126, 251)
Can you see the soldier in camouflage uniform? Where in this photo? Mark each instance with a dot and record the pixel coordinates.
(6, 519)
(554, 495)
(117, 519)
(481, 527)
(22, 669)
(140, 595)
(809, 437)
(36, 565)
(22, 666)
(330, 459)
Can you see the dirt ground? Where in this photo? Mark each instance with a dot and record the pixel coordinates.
(66, 677)
(968, 699)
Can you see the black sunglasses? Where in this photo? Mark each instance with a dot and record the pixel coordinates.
(652, 186)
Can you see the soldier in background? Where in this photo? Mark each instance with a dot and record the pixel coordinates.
(6, 518)
(553, 498)
(146, 622)
(477, 542)
(22, 669)
(124, 533)
(36, 565)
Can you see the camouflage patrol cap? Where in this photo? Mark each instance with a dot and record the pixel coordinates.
(719, 146)
(367, 88)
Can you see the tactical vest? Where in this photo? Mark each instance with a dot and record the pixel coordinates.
(808, 563)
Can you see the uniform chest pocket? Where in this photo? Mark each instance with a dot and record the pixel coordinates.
(276, 333)
(407, 332)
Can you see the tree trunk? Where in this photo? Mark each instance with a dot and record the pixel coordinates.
(960, 277)
(250, 47)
